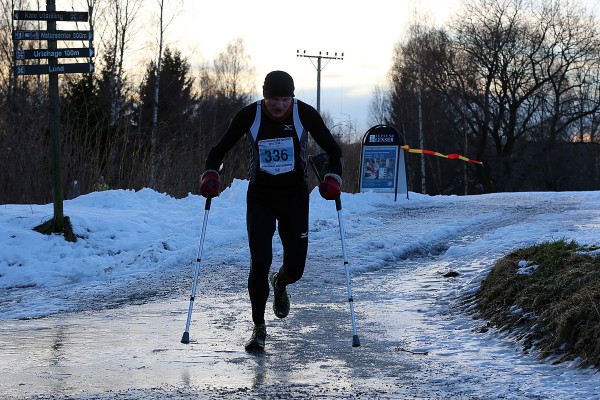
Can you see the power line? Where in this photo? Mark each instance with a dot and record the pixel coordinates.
(320, 57)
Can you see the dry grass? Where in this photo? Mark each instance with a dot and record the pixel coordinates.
(556, 309)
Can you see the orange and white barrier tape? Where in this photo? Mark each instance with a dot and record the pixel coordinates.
(435, 153)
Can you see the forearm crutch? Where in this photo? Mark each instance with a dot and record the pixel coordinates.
(186, 335)
(322, 158)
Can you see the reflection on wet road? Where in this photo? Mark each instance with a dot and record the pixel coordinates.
(418, 338)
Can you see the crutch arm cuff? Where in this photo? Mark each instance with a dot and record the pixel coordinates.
(334, 176)
(209, 171)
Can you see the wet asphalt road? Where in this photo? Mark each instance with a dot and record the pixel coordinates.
(412, 322)
(134, 351)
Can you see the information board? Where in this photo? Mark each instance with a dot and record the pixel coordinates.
(383, 166)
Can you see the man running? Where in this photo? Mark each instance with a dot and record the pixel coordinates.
(278, 196)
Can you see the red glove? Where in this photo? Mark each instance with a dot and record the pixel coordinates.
(209, 186)
(330, 187)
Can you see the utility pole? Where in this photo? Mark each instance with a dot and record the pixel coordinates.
(319, 57)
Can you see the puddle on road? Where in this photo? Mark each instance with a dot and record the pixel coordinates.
(411, 347)
(403, 311)
(98, 354)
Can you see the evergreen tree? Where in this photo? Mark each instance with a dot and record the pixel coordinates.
(176, 100)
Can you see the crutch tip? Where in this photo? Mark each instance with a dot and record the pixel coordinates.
(186, 338)
(355, 341)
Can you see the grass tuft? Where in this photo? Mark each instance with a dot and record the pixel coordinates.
(555, 308)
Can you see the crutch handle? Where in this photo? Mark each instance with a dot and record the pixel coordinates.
(338, 204)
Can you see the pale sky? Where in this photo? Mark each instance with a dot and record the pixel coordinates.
(365, 31)
(272, 31)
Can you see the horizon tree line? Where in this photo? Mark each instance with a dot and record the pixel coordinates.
(513, 83)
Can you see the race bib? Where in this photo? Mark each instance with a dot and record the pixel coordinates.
(276, 155)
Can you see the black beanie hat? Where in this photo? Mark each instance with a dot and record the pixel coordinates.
(278, 84)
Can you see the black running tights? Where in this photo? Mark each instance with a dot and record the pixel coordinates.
(268, 208)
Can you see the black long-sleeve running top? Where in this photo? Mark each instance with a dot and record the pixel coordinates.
(278, 148)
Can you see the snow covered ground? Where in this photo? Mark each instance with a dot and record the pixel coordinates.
(133, 264)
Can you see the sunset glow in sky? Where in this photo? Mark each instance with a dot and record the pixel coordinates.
(365, 32)
(273, 31)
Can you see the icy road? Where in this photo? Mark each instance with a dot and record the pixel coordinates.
(113, 331)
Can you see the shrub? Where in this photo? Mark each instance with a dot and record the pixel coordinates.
(548, 297)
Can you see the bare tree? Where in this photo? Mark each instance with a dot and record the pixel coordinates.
(224, 87)
(163, 25)
(516, 76)
(572, 67)
(531, 57)
(417, 104)
(379, 106)
(233, 72)
(124, 13)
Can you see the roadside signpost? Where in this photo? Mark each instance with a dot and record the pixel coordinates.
(58, 53)
(48, 69)
(52, 35)
(382, 165)
(53, 68)
(71, 16)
